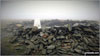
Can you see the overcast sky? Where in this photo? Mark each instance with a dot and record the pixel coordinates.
(76, 10)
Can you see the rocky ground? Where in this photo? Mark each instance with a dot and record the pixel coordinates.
(69, 39)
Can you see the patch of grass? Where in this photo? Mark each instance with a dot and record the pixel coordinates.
(8, 48)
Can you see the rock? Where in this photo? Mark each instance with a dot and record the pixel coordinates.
(44, 51)
(50, 37)
(78, 51)
(51, 47)
(49, 51)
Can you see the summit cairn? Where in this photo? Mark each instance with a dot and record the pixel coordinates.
(73, 38)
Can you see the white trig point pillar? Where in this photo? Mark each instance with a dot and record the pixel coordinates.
(37, 23)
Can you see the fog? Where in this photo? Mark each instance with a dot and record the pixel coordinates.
(73, 10)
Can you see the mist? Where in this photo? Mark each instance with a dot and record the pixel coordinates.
(29, 10)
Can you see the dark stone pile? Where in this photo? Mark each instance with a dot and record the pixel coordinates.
(75, 39)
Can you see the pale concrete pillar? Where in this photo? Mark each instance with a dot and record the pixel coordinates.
(37, 23)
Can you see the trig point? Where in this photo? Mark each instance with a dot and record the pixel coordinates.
(37, 23)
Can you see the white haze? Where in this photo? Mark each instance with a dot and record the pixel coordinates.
(75, 10)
